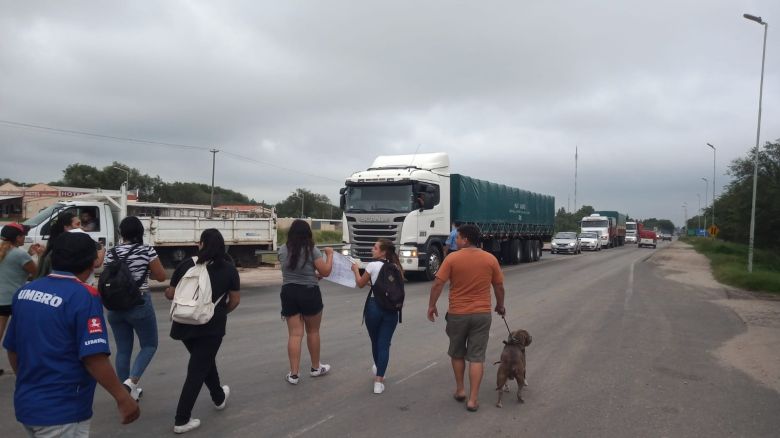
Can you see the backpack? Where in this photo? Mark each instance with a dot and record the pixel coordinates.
(388, 289)
(118, 289)
(192, 302)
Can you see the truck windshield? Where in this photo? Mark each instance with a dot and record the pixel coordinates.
(630, 226)
(42, 215)
(383, 199)
(595, 224)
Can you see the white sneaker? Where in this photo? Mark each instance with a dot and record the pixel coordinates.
(193, 424)
(379, 387)
(135, 391)
(321, 371)
(220, 407)
(291, 378)
(373, 369)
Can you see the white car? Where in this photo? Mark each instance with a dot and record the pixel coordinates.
(589, 240)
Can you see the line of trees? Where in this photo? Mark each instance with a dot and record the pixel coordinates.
(733, 206)
(303, 203)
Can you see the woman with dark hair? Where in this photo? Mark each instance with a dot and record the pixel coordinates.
(380, 322)
(302, 266)
(65, 221)
(203, 341)
(141, 319)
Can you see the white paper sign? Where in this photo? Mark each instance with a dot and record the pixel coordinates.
(342, 271)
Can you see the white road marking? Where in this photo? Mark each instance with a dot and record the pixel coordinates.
(300, 432)
(415, 373)
(630, 290)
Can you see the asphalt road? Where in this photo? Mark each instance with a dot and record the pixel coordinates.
(618, 350)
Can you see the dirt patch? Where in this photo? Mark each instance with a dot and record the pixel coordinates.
(756, 352)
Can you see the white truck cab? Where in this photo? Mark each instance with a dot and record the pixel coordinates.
(598, 224)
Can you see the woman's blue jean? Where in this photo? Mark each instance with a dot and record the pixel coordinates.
(381, 324)
(139, 320)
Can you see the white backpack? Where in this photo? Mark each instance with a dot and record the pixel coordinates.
(192, 300)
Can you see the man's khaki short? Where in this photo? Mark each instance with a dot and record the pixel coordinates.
(468, 335)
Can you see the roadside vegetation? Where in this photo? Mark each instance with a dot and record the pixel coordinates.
(729, 264)
(321, 237)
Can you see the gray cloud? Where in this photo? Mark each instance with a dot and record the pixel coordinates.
(508, 89)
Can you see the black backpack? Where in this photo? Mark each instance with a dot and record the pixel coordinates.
(117, 287)
(389, 288)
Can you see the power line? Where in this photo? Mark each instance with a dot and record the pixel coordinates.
(157, 143)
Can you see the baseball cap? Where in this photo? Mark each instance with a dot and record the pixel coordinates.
(13, 230)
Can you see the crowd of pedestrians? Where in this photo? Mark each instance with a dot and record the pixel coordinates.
(57, 338)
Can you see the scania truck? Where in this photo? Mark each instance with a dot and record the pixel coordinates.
(413, 200)
(631, 232)
(618, 221)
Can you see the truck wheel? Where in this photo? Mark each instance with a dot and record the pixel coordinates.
(507, 253)
(434, 263)
(525, 251)
(516, 251)
(535, 251)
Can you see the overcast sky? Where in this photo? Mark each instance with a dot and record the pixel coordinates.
(313, 90)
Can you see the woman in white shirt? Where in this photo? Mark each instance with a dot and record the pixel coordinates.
(380, 322)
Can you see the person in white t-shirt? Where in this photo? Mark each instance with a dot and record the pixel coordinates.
(380, 322)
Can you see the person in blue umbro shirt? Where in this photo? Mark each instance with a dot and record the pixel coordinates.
(57, 344)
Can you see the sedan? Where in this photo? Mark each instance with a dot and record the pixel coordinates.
(590, 241)
(565, 242)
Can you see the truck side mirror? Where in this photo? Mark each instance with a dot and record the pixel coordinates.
(343, 202)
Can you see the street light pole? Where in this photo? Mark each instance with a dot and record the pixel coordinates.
(685, 215)
(127, 175)
(714, 153)
(706, 190)
(758, 135)
(699, 210)
(213, 167)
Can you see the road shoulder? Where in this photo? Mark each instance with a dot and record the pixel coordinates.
(756, 351)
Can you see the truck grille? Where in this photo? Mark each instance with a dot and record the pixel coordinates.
(363, 237)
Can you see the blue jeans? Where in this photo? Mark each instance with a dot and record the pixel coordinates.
(141, 320)
(381, 324)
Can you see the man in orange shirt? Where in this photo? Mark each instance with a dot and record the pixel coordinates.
(470, 271)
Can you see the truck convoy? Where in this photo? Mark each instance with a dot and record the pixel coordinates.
(610, 226)
(172, 229)
(412, 200)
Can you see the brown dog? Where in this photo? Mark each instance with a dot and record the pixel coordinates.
(512, 364)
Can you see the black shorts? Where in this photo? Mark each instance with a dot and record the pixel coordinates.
(5, 310)
(299, 298)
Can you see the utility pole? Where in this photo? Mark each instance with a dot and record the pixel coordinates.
(213, 167)
(575, 177)
(699, 210)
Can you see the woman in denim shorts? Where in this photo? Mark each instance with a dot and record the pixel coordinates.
(302, 267)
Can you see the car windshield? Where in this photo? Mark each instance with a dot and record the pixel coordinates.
(42, 215)
(588, 236)
(595, 224)
(566, 236)
(379, 199)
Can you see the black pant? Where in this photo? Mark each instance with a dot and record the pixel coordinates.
(201, 369)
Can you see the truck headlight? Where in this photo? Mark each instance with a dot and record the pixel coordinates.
(345, 252)
(409, 253)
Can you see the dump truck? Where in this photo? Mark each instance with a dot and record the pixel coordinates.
(172, 229)
(412, 200)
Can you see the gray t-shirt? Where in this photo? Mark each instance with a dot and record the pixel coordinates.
(303, 273)
(12, 274)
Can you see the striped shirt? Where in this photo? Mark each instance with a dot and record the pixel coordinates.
(138, 260)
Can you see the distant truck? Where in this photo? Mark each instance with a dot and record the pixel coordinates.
(172, 229)
(412, 200)
(602, 226)
(618, 238)
(631, 232)
(648, 238)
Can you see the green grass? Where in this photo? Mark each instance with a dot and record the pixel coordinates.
(320, 237)
(729, 264)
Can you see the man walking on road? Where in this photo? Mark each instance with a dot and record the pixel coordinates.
(470, 271)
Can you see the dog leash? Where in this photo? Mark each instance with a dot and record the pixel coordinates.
(507, 328)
